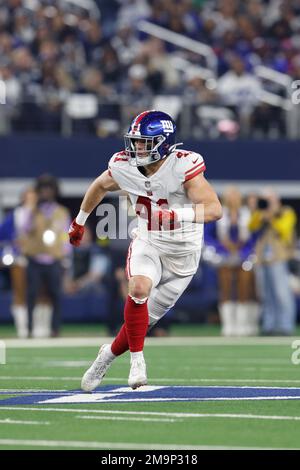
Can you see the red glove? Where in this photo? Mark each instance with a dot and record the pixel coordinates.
(76, 232)
(165, 218)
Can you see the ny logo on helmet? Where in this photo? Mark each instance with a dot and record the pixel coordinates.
(167, 126)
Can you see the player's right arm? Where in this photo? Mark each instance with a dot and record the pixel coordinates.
(94, 195)
(97, 191)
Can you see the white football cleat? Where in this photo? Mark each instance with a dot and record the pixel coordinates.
(137, 374)
(94, 375)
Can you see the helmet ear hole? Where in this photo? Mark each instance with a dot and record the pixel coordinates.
(159, 139)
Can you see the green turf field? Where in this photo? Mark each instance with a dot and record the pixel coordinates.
(189, 361)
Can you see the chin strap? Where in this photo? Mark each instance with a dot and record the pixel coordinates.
(174, 147)
(171, 149)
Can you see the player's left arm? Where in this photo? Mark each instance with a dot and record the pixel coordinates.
(207, 206)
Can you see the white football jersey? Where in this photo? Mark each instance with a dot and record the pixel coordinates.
(163, 189)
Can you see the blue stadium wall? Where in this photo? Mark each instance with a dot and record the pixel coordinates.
(27, 157)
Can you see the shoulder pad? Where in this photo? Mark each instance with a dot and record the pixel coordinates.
(188, 164)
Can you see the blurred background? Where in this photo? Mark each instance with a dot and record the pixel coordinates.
(73, 73)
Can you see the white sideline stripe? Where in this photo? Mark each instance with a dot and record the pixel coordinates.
(30, 390)
(152, 400)
(249, 380)
(205, 415)
(150, 413)
(253, 368)
(117, 379)
(172, 380)
(26, 377)
(262, 364)
(169, 341)
(118, 418)
(12, 421)
(225, 360)
(64, 363)
(118, 445)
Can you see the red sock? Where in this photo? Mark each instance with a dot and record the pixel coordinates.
(120, 344)
(136, 321)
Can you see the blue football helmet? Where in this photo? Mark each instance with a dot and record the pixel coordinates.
(156, 132)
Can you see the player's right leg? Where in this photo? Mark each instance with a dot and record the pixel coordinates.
(94, 375)
(144, 271)
(131, 335)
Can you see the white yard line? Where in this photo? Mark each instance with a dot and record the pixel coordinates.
(206, 415)
(11, 377)
(209, 415)
(119, 418)
(91, 412)
(169, 341)
(30, 390)
(228, 380)
(152, 400)
(208, 365)
(12, 421)
(115, 445)
(63, 363)
(161, 380)
(174, 380)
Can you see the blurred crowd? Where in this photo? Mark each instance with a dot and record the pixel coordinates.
(251, 249)
(43, 266)
(51, 50)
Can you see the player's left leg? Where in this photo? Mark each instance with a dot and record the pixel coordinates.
(177, 273)
(164, 297)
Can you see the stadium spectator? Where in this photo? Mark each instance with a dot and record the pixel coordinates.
(93, 39)
(89, 265)
(125, 44)
(133, 10)
(274, 226)
(12, 97)
(13, 89)
(43, 241)
(9, 238)
(154, 53)
(137, 93)
(71, 38)
(233, 246)
(110, 66)
(202, 100)
(13, 257)
(239, 90)
(196, 89)
(91, 82)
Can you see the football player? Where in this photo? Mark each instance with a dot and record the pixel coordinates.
(172, 200)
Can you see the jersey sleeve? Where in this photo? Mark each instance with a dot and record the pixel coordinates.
(114, 163)
(188, 165)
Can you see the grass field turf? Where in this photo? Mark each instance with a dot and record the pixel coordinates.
(211, 362)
